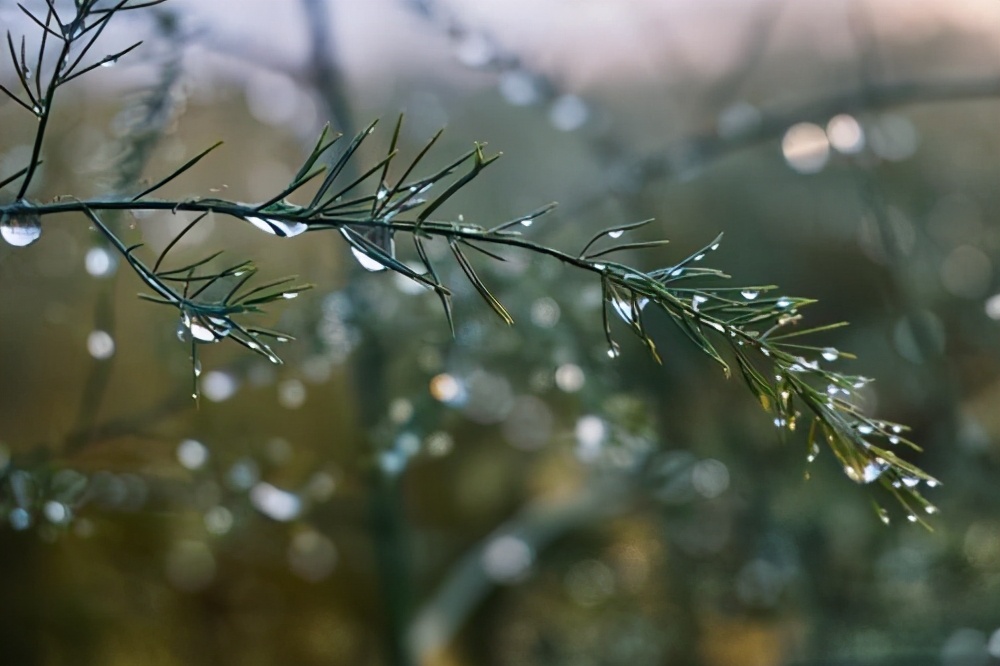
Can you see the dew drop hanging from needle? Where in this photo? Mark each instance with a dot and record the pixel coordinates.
(21, 229)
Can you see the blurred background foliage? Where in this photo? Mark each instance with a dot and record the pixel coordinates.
(511, 495)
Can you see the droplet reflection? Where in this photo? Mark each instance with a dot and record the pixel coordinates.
(20, 230)
(806, 148)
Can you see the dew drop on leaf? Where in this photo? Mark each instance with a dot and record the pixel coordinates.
(202, 329)
(21, 229)
(873, 470)
(813, 452)
(617, 233)
(830, 354)
(280, 228)
(368, 263)
(750, 294)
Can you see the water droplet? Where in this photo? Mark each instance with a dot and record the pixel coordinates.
(626, 309)
(506, 559)
(883, 515)
(617, 233)
(830, 354)
(697, 300)
(21, 229)
(568, 113)
(518, 87)
(912, 517)
(392, 462)
(56, 512)
(527, 223)
(897, 429)
(910, 481)
(474, 49)
(218, 520)
(202, 328)
(382, 193)
(110, 62)
(813, 452)
(570, 377)
(218, 385)
(865, 429)
(274, 502)
(280, 228)
(780, 422)
(873, 470)
(448, 389)
(933, 483)
(831, 389)
(783, 302)
(19, 519)
(750, 294)
(894, 440)
(291, 394)
(289, 295)
(101, 345)
(192, 454)
(806, 148)
(931, 509)
(699, 257)
(845, 134)
(99, 262)
(368, 263)
(714, 247)
(677, 272)
(717, 326)
(614, 351)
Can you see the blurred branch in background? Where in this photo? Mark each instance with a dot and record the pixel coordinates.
(506, 554)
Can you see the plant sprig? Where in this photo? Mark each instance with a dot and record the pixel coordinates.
(746, 326)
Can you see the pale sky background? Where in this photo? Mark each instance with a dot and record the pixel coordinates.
(586, 41)
(582, 43)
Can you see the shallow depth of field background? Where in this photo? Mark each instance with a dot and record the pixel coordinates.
(539, 502)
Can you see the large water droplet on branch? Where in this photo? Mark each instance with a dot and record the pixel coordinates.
(202, 328)
(367, 262)
(625, 308)
(873, 470)
(20, 229)
(276, 227)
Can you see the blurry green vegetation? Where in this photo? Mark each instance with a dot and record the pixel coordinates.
(609, 511)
